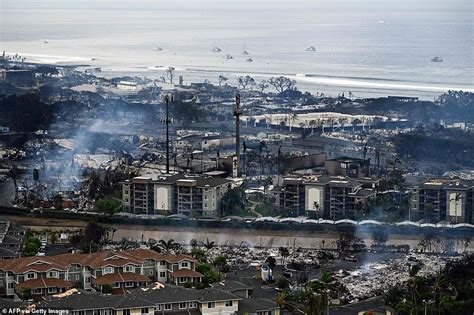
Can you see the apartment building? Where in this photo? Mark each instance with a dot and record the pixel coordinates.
(161, 299)
(172, 194)
(443, 200)
(12, 238)
(123, 270)
(336, 197)
(292, 196)
(331, 197)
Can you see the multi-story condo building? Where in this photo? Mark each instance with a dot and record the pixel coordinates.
(331, 197)
(292, 196)
(448, 200)
(174, 194)
(123, 270)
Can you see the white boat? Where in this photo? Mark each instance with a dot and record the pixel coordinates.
(228, 56)
(245, 52)
(249, 60)
(216, 49)
(157, 49)
(436, 59)
(310, 49)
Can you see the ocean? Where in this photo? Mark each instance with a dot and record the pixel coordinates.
(368, 47)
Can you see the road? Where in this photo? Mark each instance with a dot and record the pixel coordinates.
(7, 192)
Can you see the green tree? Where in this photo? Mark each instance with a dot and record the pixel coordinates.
(209, 275)
(107, 289)
(232, 203)
(282, 282)
(107, 206)
(26, 294)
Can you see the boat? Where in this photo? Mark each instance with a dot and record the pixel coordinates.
(249, 60)
(228, 56)
(45, 41)
(436, 59)
(216, 49)
(310, 49)
(245, 52)
(157, 49)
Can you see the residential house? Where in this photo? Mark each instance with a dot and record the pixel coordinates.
(123, 270)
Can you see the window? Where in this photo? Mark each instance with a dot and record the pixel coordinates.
(51, 290)
(52, 274)
(211, 305)
(167, 307)
(77, 277)
(159, 307)
(37, 291)
(129, 284)
(182, 305)
(30, 275)
(126, 312)
(10, 285)
(107, 270)
(144, 310)
(185, 264)
(150, 272)
(129, 268)
(162, 263)
(193, 305)
(183, 279)
(88, 280)
(162, 274)
(228, 303)
(116, 285)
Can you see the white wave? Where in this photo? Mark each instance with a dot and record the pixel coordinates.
(52, 59)
(345, 82)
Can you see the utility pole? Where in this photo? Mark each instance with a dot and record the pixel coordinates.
(237, 113)
(167, 100)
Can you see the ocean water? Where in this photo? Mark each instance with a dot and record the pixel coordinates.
(368, 47)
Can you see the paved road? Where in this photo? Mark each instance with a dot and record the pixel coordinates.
(7, 192)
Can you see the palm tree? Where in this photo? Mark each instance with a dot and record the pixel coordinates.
(169, 245)
(413, 282)
(457, 198)
(441, 283)
(282, 299)
(315, 304)
(209, 244)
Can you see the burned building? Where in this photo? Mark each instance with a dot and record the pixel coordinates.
(292, 196)
(347, 166)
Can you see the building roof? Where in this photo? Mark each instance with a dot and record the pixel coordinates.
(256, 305)
(44, 283)
(94, 260)
(138, 298)
(186, 273)
(9, 303)
(230, 285)
(120, 277)
(173, 294)
(8, 253)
